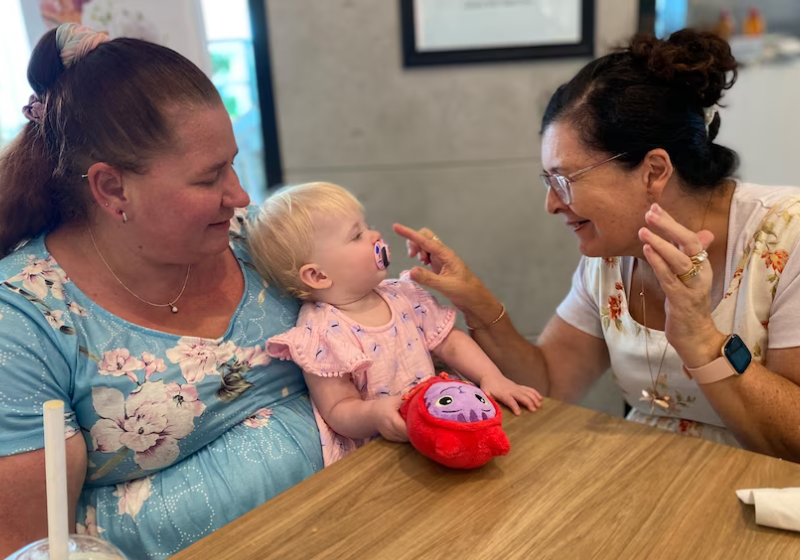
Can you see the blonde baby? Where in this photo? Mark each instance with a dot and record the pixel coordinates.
(361, 340)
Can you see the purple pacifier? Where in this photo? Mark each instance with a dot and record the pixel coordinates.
(382, 254)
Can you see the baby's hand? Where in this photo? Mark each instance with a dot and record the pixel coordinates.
(386, 412)
(509, 393)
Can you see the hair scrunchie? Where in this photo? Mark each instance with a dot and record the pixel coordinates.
(75, 41)
(34, 110)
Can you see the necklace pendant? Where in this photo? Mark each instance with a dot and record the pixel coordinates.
(663, 402)
(650, 398)
(654, 398)
(174, 309)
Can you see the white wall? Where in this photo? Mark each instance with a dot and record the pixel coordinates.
(761, 122)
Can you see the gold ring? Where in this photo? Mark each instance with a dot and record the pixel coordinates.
(691, 273)
(699, 258)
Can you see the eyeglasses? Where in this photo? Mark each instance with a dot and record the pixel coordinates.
(562, 185)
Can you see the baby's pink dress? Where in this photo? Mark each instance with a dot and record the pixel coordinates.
(382, 361)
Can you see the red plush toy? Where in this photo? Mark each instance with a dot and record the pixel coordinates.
(454, 423)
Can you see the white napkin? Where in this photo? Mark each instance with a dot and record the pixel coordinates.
(775, 507)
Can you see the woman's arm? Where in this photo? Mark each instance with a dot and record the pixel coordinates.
(760, 407)
(564, 363)
(23, 494)
(340, 405)
(462, 353)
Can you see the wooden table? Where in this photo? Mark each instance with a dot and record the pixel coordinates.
(577, 485)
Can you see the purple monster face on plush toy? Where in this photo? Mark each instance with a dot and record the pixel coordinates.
(458, 402)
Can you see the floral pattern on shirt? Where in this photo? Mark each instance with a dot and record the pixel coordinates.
(132, 495)
(39, 275)
(149, 423)
(156, 429)
(120, 362)
(767, 244)
(665, 397)
(38, 278)
(380, 361)
(238, 223)
(199, 357)
(612, 313)
(258, 420)
(682, 427)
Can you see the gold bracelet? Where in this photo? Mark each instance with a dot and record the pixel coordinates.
(502, 314)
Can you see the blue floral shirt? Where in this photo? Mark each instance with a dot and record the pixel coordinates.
(160, 413)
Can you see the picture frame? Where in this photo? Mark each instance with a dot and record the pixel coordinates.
(436, 32)
(259, 19)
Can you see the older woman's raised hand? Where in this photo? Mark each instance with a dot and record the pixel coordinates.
(689, 327)
(448, 274)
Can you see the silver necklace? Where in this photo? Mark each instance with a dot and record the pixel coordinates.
(121, 283)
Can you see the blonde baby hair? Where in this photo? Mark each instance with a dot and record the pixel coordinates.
(282, 235)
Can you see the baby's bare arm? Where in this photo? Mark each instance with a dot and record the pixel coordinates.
(340, 405)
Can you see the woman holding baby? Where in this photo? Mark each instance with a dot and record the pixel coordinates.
(131, 292)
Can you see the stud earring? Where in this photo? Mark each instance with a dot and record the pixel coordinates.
(124, 217)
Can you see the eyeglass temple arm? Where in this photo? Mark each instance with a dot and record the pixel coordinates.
(598, 164)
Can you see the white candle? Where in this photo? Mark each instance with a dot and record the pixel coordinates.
(55, 460)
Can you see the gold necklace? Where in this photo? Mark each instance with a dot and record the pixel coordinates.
(171, 304)
(652, 395)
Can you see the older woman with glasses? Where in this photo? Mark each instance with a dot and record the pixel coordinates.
(687, 288)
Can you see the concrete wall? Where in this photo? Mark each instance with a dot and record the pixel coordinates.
(455, 148)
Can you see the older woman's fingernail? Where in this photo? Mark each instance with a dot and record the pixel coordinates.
(656, 209)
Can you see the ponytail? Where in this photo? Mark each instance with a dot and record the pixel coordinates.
(26, 204)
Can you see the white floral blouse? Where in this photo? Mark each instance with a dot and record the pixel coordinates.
(659, 393)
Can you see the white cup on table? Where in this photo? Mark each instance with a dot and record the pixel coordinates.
(80, 547)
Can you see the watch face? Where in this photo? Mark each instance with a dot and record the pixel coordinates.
(737, 354)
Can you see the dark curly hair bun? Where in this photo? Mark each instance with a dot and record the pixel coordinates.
(698, 61)
(654, 94)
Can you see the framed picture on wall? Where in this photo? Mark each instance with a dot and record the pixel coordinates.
(468, 31)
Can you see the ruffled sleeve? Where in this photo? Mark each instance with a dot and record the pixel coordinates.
(434, 321)
(316, 350)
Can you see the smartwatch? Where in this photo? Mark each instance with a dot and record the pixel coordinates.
(733, 360)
